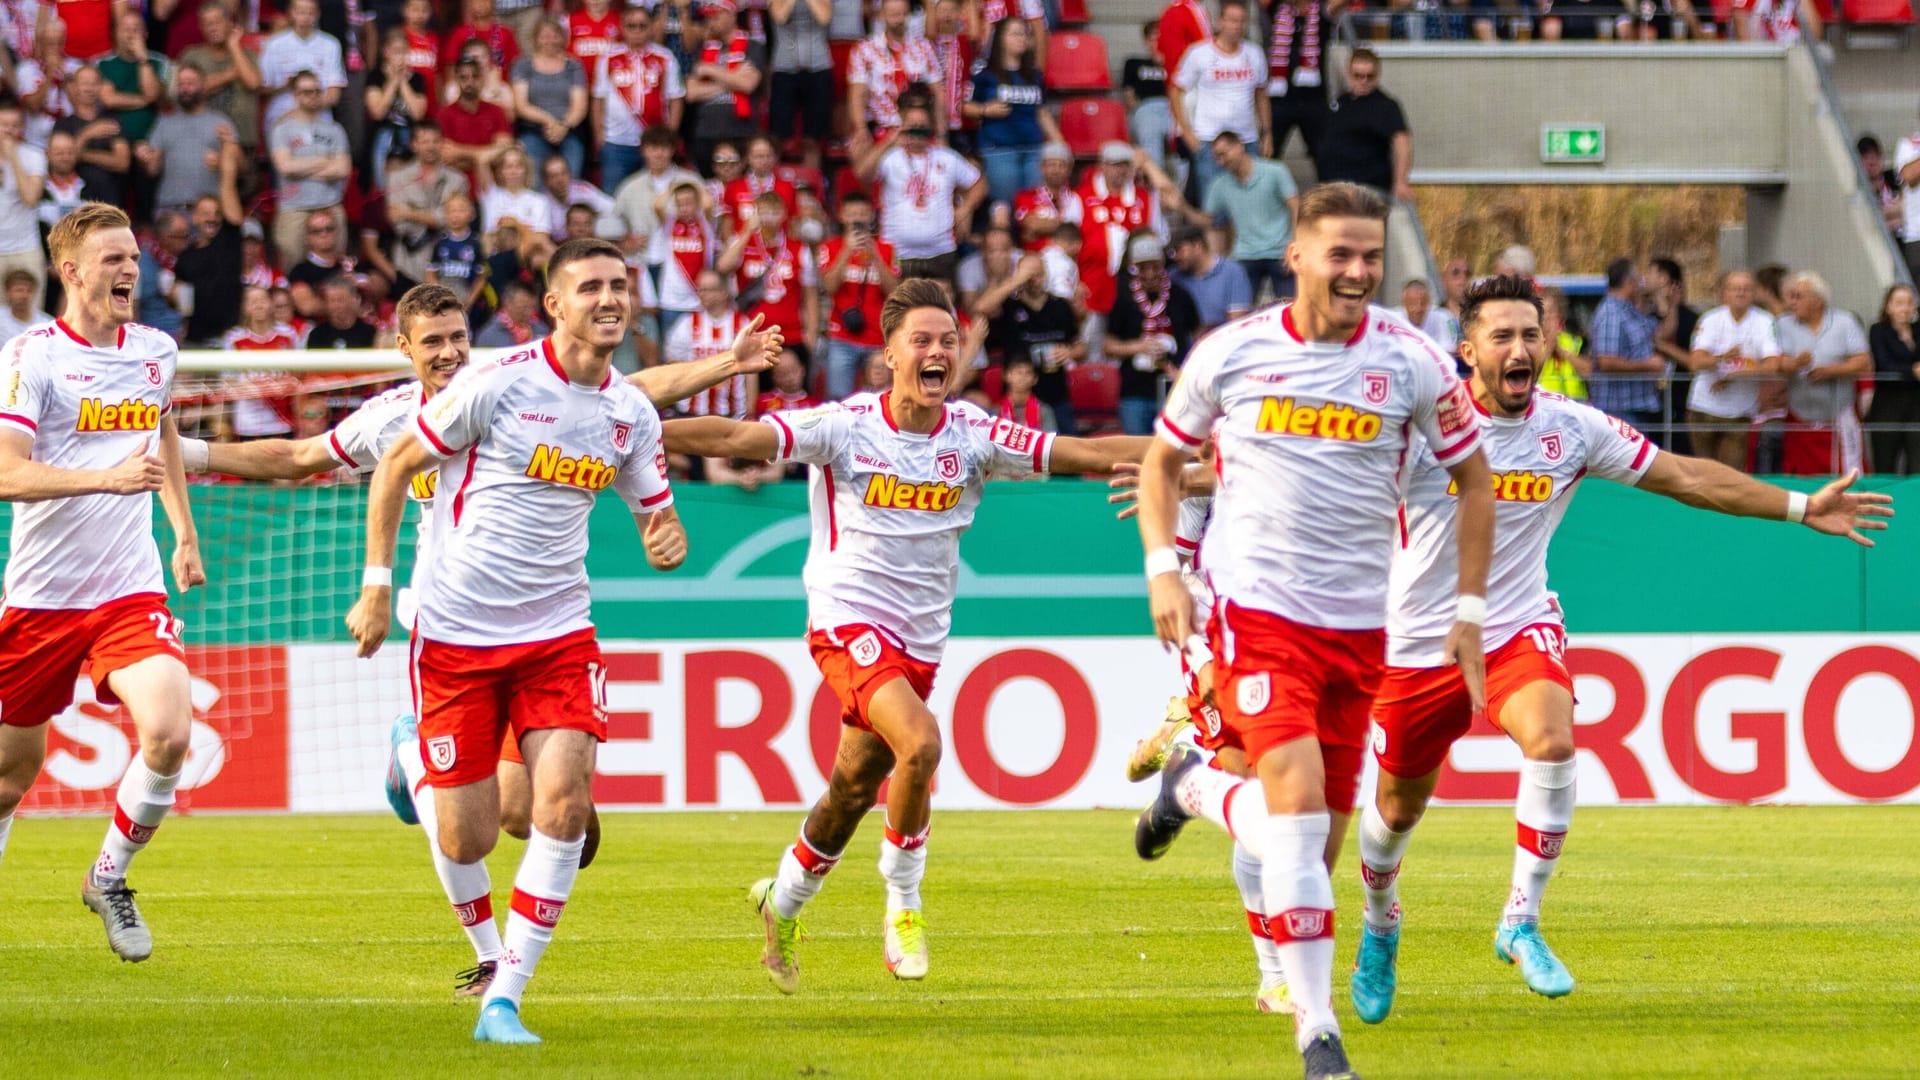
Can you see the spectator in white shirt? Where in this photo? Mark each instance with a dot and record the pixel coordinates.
(21, 315)
(1733, 346)
(928, 193)
(563, 191)
(1906, 166)
(1217, 88)
(300, 47)
(513, 199)
(23, 172)
(1416, 306)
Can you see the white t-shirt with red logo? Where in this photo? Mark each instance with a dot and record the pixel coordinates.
(916, 199)
(1313, 438)
(889, 507)
(700, 336)
(1537, 461)
(636, 87)
(1223, 89)
(525, 453)
(86, 407)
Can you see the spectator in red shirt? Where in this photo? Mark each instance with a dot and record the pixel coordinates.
(774, 273)
(1182, 24)
(477, 132)
(480, 25)
(760, 178)
(423, 44)
(89, 24)
(859, 270)
(593, 34)
(1037, 212)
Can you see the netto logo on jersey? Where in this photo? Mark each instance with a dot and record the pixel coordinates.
(888, 491)
(130, 415)
(1529, 486)
(1342, 423)
(425, 484)
(550, 463)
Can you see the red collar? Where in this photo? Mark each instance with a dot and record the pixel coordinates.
(70, 332)
(546, 350)
(886, 411)
(1286, 323)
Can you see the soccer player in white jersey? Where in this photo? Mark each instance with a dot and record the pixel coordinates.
(86, 433)
(432, 335)
(1315, 403)
(896, 478)
(503, 641)
(1539, 445)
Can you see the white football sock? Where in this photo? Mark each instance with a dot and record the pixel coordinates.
(1380, 852)
(803, 869)
(1542, 814)
(1246, 874)
(469, 888)
(6, 826)
(540, 892)
(1298, 902)
(141, 804)
(1236, 804)
(903, 862)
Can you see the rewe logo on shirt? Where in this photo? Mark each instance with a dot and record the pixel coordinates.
(889, 491)
(550, 463)
(1526, 486)
(130, 415)
(1342, 423)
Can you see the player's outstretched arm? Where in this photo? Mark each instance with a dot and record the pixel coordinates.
(23, 479)
(1072, 455)
(260, 459)
(717, 436)
(1195, 480)
(1473, 527)
(1709, 485)
(187, 570)
(1167, 595)
(372, 614)
(754, 350)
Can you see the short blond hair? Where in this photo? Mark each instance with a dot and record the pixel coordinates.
(70, 232)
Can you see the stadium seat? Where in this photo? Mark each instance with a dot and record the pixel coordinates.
(1087, 122)
(1878, 12)
(1074, 13)
(1094, 390)
(1077, 62)
(992, 381)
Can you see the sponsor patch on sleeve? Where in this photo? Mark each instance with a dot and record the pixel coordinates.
(1013, 436)
(1454, 411)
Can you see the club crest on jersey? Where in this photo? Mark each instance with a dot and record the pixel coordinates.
(947, 464)
(1375, 386)
(1253, 692)
(153, 371)
(131, 414)
(441, 752)
(865, 649)
(1550, 446)
(621, 430)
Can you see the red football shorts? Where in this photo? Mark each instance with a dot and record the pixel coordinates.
(43, 652)
(472, 698)
(857, 660)
(1276, 680)
(1422, 712)
(510, 750)
(1209, 733)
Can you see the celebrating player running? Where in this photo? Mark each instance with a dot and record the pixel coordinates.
(503, 640)
(87, 398)
(1539, 446)
(1315, 402)
(433, 337)
(896, 478)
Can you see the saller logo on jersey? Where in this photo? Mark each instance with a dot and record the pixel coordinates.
(550, 463)
(130, 415)
(1516, 486)
(886, 490)
(1343, 423)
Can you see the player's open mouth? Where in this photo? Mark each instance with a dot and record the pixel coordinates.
(933, 378)
(1517, 380)
(122, 294)
(607, 320)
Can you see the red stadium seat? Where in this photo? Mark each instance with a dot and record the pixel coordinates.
(1094, 390)
(1074, 13)
(1087, 122)
(992, 381)
(1077, 62)
(1878, 12)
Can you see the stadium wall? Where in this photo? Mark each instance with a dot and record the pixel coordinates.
(1715, 661)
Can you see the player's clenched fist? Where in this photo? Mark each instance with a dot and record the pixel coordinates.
(666, 540)
(187, 569)
(1172, 607)
(1464, 648)
(142, 471)
(369, 619)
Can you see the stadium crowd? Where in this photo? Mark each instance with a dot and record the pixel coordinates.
(295, 166)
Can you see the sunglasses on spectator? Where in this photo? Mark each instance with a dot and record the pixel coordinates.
(726, 161)
(322, 228)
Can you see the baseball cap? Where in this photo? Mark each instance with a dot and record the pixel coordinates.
(1146, 249)
(1116, 153)
(712, 6)
(1054, 151)
(253, 230)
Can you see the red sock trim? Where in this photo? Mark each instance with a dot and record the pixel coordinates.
(907, 843)
(1377, 880)
(135, 832)
(1545, 845)
(538, 908)
(1257, 925)
(812, 860)
(475, 911)
(1300, 924)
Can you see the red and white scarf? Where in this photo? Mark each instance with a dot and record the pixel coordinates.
(687, 241)
(1153, 309)
(1028, 416)
(732, 59)
(1280, 50)
(951, 51)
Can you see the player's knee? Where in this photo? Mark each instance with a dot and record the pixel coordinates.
(1548, 745)
(516, 821)
(920, 751)
(563, 815)
(465, 848)
(1400, 808)
(165, 747)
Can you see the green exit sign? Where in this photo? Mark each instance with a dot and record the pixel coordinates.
(1578, 143)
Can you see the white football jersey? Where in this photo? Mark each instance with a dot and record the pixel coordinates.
(1312, 442)
(1190, 526)
(86, 407)
(365, 436)
(700, 336)
(889, 507)
(525, 454)
(1537, 461)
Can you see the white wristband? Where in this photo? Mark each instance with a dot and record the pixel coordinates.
(1162, 561)
(377, 577)
(1471, 609)
(193, 454)
(1796, 506)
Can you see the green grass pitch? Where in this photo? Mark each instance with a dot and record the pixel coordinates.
(1707, 942)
